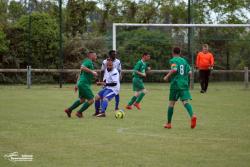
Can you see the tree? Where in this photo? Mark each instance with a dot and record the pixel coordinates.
(44, 39)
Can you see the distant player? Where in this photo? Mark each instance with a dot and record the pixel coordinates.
(205, 63)
(117, 65)
(138, 87)
(86, 96)
(179, 86)
(111, 83)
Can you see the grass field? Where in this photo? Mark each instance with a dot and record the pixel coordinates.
(33, 122)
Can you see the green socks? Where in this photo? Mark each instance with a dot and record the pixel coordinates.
(75, 104)
(189, 109)
(131, 102)
(84, 107)
(170, 114)
(140, 97)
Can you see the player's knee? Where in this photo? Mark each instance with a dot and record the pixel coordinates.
(145, 91)
(82, 100)
(97, 97)
(184, 102)
(105, 99)
(171, 103)
(91, 101)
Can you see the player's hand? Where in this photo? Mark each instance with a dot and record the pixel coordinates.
(76, 88)
(100, 83)
(144, 74)
(165, 78)
(94, 73)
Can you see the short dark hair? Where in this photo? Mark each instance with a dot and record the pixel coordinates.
(176, 50)
(145, 54)
(111, 51)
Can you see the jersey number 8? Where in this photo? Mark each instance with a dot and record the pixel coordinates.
(182, 69)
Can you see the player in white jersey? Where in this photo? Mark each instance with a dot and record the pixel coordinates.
(117, 65)
(111, 88)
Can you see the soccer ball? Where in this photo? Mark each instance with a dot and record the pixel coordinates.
(119, 114)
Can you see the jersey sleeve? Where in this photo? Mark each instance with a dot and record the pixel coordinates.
(103, 65)
(173, 65)
(119, 66)
(86, 63)
(137, 66)
(212, 60)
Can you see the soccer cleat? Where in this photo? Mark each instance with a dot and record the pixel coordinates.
(193, 121)
(101, 115)
(168, 126)
(79, 114)
(129, 107)
(68, 112)
(95, 114)
(137, 105)
(203, 91)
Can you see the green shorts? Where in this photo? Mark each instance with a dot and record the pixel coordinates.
(84, 91)
(174, 95)
(138, 84)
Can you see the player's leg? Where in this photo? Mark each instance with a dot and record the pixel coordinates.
(202, 80)
(77, 103)
(132, 101)
(207, 74)
(88, 94)
(107, 96)
(98, 98)
(117, 101)
(135, 89)
(139, 98)
(185, 96)
(173, 97)
(170, 114)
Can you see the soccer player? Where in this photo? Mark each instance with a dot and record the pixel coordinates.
(204, 62)
(111, 83)
(86, 96)
(138, 87)
(179, 86)
(117, 65)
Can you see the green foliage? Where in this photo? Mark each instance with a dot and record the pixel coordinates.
(44, 39)
(3, 43)
(132, 44)
(16, 10)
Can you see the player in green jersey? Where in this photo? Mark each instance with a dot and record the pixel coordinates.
(179, 86)
(86, 96)
(138, 87)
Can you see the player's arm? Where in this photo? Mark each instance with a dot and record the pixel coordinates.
(78, 77)
(136, 70)
(168, 75)
(171, 72)
(120, 70)
(211, 61)
(103, 70)
(197, 60)
(86, 69)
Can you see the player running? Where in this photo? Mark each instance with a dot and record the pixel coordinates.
(118, 66)
(138, 87)
(86, 96)
(179, 86)
(111, 83)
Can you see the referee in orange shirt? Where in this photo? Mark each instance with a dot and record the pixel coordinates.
(204, 62)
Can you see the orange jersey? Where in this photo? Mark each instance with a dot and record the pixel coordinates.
(204, 60)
